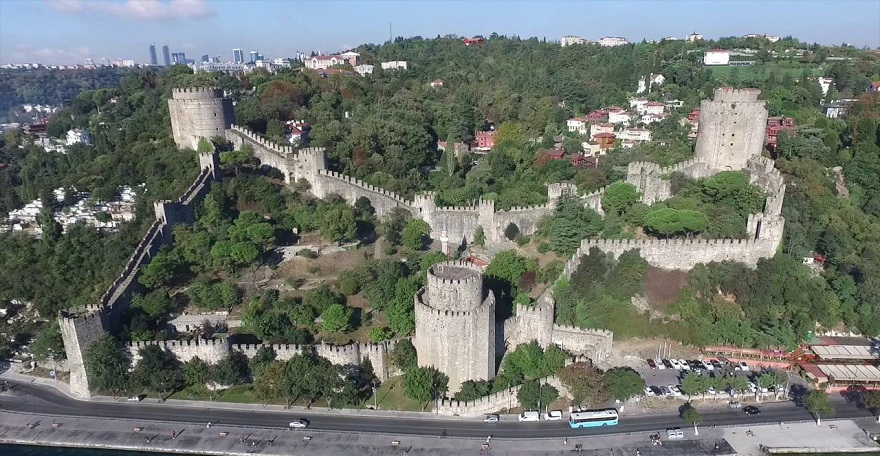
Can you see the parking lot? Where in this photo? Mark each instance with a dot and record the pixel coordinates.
(661, 378)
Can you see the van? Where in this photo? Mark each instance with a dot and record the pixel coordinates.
(529, 416)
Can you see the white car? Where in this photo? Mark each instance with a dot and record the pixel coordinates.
(752, 387)
(553, 415)
(675, 364)
(660, 365)
(529, 416)
(649, 392)
(675, 391)
(299, 424)
(491, 419)
(743, 366)
(666, 391)
(684, 365)
(711, 391)
(707, 365)
(134, 399)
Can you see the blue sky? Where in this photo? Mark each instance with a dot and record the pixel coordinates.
(69, 31)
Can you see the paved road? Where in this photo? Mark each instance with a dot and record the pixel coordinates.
(31, 398)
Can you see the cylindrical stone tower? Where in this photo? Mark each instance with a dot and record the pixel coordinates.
(455, 324)
(199, 112)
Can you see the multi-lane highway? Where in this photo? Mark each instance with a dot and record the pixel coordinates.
(30, 398)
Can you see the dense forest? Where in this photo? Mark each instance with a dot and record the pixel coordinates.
(384, 130)
(53, 87)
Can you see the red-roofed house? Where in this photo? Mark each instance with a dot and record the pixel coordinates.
(694, 116)
(555, 154)
(595, 129)
(605, 140)
(485, 140)
(597, 116)
(322, 62)
(873, 87)
(775, 125)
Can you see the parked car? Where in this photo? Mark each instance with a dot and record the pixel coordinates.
(695, 364)
(652, 364)
(684, 365)
(707, 365)
(491, 419)
(675, 391)
(711, 391)
(674, 363)
(716, 364)
(649, 392)
(656, 390)
(734, 404)
(553, 415)
(666, 391)
(673, 434)
(299, 424)
(752, 387)
(664, 364)
(751, 410)
(743, 366)
(529, 416)
(135, 399)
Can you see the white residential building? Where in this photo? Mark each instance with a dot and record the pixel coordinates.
(619, 116)
(78, 136)
(613, 41)
(652, 80)
(578, 125)
(638, 104)
(364, 70)
(716, 57)
(634, 134)
(394, 65)
(351, 57)
(595, 129)
(694, 37)
(653, 108)
(322, 62)
(569, 40)
(825, 83)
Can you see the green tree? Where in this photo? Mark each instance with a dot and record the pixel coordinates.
(380, 333)
(668, 221)
(691, 415)
(232, 370)
(49, 344)
(403, 355)
(393, 224)
(159, 371)
(618, 197)
(584, 383)
(107, 366)
(337, 318)
(160, 271)
(479, 236)
(765, 380)
(871, 399)
(424, 384)
(155, 304)
(818, 404)
(196, 373)
(338, 224)
(416, 234)
(571, 223)
(693, 383)
(270, 381)
(508, 266)
(238, 158)
(473, 389)
(623, 383)
(535, 396)
(262, 358)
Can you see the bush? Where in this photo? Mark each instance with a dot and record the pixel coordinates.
(348, 284)
(307, 253)
(378, 334)
(523, 240)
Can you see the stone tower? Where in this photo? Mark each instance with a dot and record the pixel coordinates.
(198, 113)
(79, 330)
(732, 128)
(455, 324)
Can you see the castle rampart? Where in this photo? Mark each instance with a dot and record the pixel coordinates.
(76, 335)
(198, 113)
(493, 403)
(731, 129)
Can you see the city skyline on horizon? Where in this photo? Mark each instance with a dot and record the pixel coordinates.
(136, 24)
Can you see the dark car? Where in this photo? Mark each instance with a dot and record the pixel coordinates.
(666, 363)
(751, 410)
(652, 364)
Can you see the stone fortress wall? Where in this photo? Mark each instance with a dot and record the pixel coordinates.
(455, 323)
(197, 113)
(81, 327)
(502, 400)
(213, 351)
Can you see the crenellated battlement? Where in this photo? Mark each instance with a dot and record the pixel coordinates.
(365, 186)
(729, 94)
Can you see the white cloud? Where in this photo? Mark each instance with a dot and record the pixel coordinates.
(148, 10)
(28, 53)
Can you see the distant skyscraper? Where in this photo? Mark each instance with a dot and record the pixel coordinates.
(206, 58)
(153, 60)
(166, 55)
(254, 56)
(237, 56)
(178, 58)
